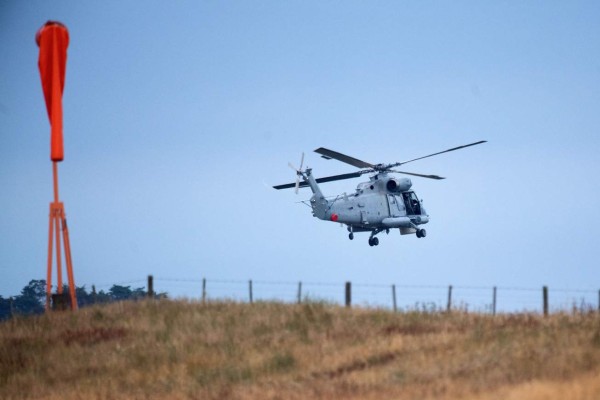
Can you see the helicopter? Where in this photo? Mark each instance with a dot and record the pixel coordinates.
(384, 202)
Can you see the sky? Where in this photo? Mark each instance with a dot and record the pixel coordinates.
(180, 116)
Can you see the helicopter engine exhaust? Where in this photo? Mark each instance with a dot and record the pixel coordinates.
(398, 185)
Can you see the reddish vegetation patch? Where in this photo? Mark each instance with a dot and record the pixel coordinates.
(92, 336)
(416, 329)
(525, 321)
(358, 365)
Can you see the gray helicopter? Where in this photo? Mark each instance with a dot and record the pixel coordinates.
(383, 203)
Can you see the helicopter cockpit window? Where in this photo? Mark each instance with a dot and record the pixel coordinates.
(413, 206)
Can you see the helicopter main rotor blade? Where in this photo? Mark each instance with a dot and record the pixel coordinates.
(321, 180)
(289, 185)
(420, 175)
(339, 177)
(328, 154)
(441, 152)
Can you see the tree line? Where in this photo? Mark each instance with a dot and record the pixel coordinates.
(32, 299)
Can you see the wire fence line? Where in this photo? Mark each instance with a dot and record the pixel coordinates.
(398, 297)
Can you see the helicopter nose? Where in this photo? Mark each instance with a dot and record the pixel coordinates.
(334, 217)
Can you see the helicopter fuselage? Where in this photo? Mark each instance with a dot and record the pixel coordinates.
(381, 204)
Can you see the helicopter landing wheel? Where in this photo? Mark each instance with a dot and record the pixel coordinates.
(351, 236)
(373, 241)
(421, 233)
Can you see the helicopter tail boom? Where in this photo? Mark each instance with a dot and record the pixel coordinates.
(318, 202)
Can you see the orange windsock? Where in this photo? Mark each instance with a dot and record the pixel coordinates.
(53, 40)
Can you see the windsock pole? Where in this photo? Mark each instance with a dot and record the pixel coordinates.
(53, 40)
(58, 227)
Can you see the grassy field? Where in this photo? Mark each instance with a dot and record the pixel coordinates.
(183, 350)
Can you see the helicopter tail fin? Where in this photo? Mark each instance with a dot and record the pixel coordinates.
(318, 201)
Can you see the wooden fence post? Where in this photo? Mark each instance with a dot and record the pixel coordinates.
(250, 290)
(94, 294)
(494, 302)
(348, 294)
(299, 292)
(203, 290)
(150, 286)
(545, 297)
(394, 298)
(449, 306)
(599, 301)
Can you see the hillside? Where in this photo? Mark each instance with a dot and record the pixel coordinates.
(182, 350)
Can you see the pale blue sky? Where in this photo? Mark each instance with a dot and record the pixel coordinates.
(180, 115)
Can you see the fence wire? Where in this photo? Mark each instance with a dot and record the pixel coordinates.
(407, 297)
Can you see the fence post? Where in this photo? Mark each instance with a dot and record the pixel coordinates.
(203, 290)
(348, 294)
(599, 301)
(394, 297)
(150, 286)
(449, 306)
(12, 307)
(299, 292)
(250, 290)
(494, 302)
(94, 294)
(545, 296)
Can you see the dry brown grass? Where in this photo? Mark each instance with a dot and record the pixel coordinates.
(183, 350)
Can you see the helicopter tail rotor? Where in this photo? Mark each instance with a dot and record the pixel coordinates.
(298, 172)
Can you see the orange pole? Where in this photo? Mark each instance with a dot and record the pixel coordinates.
(59, 282)
(49, 274)
(69, 262)
(58, 212)
(55, 214)
(55, 180)
(57, 223)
